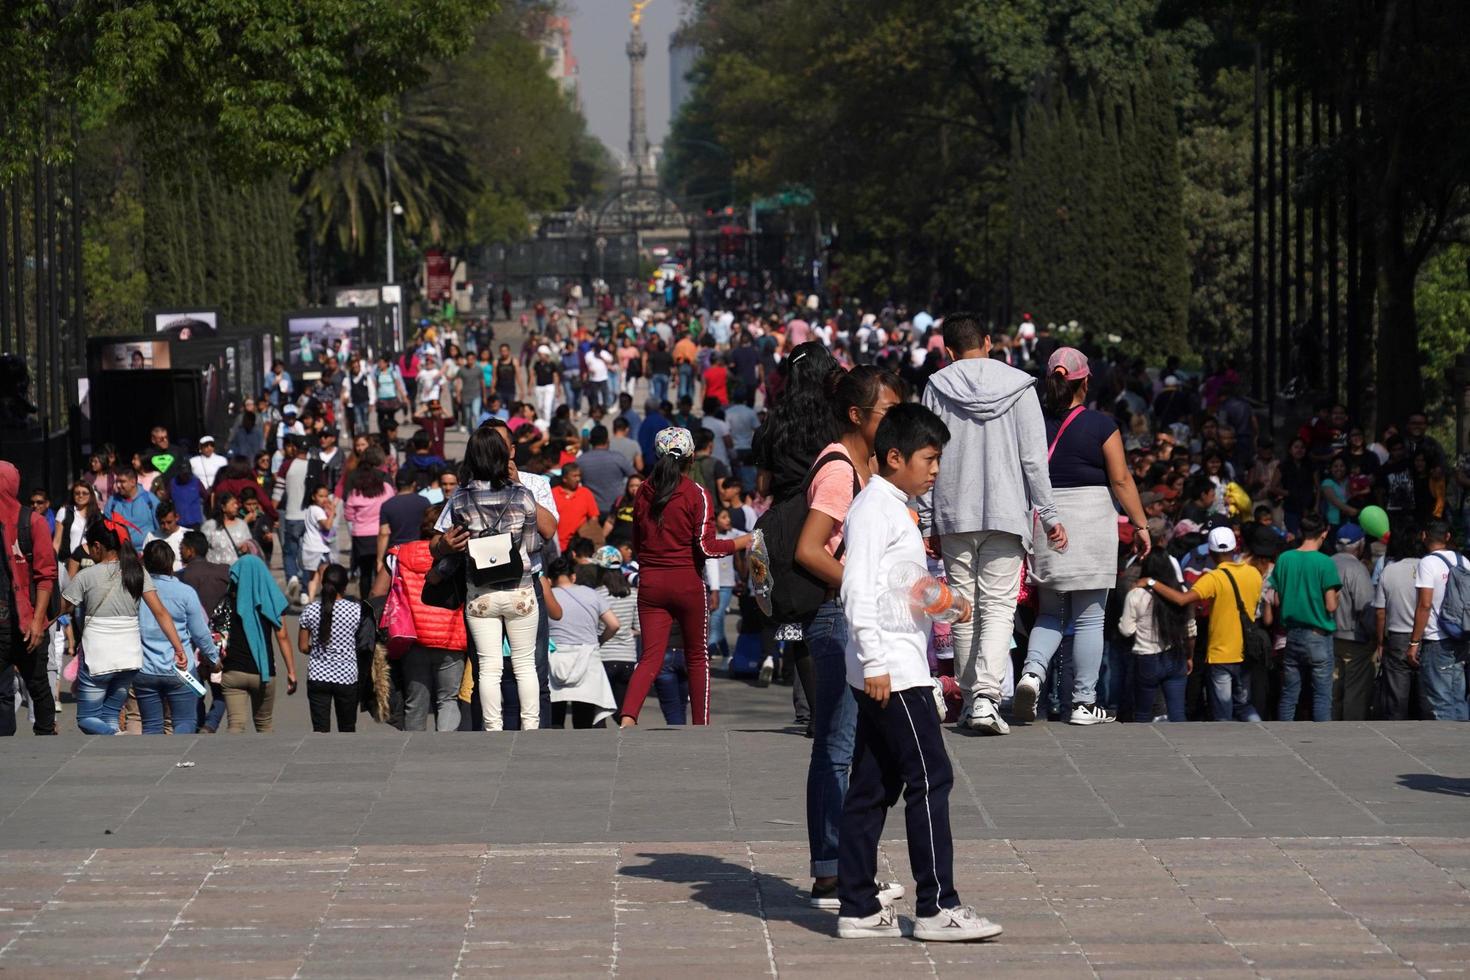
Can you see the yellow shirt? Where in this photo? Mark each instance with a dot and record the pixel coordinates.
(1226, 644)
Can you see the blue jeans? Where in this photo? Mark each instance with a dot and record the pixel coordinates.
(834, 728)
(1442, 681)
(360, 418)
(1166, 671)
(1309, 654)
(1230, 693)
(152, 690)
(99, 699)
(294, 531)
(470, 413)
(672, 687)
(686, 380)
(1082, 611)
(717, 639)
(658, 387)
(569, 391)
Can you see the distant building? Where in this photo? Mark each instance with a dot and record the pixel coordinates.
(683, 54)
(554, 34)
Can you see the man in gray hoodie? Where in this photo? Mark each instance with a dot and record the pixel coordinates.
(993, 485)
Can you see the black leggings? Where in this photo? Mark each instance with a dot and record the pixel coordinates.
(365, 564)
(321, 695)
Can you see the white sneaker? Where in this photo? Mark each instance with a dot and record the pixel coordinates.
(1023, 705)
(293, 590)
(1089, 714)
(768, 671)
(882, 924)
(955, 925)
(888, 893)
(985, 718)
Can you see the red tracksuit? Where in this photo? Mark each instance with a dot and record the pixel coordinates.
(671, 552)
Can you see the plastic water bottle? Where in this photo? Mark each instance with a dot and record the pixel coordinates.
(924, 594)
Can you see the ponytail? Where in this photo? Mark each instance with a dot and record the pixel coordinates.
(128, 565)
(1057, 393)
(665, 480)
(334, 583)
(859, 388)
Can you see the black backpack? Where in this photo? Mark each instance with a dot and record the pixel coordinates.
(796, 593)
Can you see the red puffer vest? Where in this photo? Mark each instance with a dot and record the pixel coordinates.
(442, 629)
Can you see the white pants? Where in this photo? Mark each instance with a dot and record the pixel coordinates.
(515, 613)
(545, 401)
(985, 568)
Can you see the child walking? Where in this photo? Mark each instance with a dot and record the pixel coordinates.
(899, 747)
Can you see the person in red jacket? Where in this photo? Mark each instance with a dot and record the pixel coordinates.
(673, 533)
(23, 621)
(433, 669)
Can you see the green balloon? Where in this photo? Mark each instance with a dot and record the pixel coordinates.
(1373, 521)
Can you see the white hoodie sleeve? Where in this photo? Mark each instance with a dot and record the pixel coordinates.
(1032, 445)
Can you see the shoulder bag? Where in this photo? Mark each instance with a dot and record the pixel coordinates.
(1256, 646)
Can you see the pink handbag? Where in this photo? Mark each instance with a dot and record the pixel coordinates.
(398, 619)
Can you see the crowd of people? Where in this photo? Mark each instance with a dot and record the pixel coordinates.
(1109, 541)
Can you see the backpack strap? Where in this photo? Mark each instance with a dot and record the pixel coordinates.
(831, 457)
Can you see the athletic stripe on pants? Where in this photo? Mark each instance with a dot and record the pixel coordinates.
(899, 751)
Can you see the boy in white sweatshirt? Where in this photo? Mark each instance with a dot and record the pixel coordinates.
(899, 748)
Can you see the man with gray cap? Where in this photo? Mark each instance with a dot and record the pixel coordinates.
(992, 492)
(1354, 639)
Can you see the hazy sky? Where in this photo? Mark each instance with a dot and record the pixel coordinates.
(599, 35)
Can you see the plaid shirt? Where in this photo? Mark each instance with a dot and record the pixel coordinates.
(486, 511)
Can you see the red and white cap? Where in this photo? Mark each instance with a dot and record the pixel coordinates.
(1069, 362)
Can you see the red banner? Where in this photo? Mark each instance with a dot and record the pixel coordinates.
(438, 274)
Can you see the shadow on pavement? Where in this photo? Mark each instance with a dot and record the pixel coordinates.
(1429, 783)
(725, 887)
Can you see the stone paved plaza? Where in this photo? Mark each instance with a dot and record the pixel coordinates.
(1185, 850)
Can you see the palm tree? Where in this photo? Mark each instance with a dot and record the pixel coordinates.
(431, 177)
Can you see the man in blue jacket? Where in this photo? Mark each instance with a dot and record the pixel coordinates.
(137, 505)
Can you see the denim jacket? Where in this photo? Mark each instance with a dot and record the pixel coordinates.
(190, 623)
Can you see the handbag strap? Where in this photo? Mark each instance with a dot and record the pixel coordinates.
(1076, 411)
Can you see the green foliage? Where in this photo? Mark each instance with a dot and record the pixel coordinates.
(1096, 211)
(211, 242)
(1442, 299)
(488, 139)
(263, 86)
(901, 122)
(1215, 161)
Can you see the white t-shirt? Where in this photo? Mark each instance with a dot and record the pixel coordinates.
(430, 381)
(1434, 573)
(597, 362)
(719, 573)
(206, 468)
(1397, 596)
(316, 540)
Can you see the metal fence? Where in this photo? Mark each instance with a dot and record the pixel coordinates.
(42, 338)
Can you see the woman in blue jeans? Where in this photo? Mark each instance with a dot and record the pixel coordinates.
(158, 681)
(1089, 471)
(859, 399)
(1163, 634)
(111, 591)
